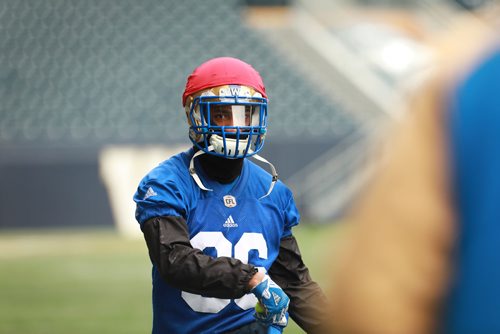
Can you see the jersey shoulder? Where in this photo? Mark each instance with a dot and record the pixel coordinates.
(166, 189)
(259, 181)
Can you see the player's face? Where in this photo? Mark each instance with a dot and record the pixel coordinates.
(230, 115)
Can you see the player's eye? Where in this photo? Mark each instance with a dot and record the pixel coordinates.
(221, 115)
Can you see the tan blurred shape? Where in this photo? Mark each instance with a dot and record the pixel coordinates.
(121, 169)
(392, 271)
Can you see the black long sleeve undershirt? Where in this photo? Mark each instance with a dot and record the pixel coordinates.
(188, 268)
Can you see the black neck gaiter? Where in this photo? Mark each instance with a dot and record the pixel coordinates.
(220, 169)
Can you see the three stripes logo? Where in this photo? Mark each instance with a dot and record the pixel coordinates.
(230, 222)
(276, 298)
(150, 193)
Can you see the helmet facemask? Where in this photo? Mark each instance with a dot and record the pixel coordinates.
(229, 121)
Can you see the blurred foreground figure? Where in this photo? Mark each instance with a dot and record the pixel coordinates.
(423, 250)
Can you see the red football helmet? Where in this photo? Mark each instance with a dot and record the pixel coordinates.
(226, 106)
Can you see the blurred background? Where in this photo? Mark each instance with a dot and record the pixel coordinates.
(90, 100)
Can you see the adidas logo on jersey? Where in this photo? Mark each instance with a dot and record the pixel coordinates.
(150, 193)
(230, 222)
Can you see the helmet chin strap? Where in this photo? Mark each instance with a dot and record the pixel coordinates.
(274, 173)
(200, 184)
(192, 170)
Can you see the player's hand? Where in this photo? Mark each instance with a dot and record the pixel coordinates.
(273, 303)
(260, 315)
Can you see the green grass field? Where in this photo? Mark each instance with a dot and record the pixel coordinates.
(95, 281)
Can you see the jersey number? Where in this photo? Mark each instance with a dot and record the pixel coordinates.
(248, 242)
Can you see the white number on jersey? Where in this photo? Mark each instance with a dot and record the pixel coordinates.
(247, 242)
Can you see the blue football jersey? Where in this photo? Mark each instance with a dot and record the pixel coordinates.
(473, 305)
(229, 221)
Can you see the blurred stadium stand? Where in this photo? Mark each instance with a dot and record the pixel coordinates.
(77, 76)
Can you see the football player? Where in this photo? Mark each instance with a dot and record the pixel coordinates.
(217, 226)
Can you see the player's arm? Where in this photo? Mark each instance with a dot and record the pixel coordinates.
(308, 304)
(188, 268)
